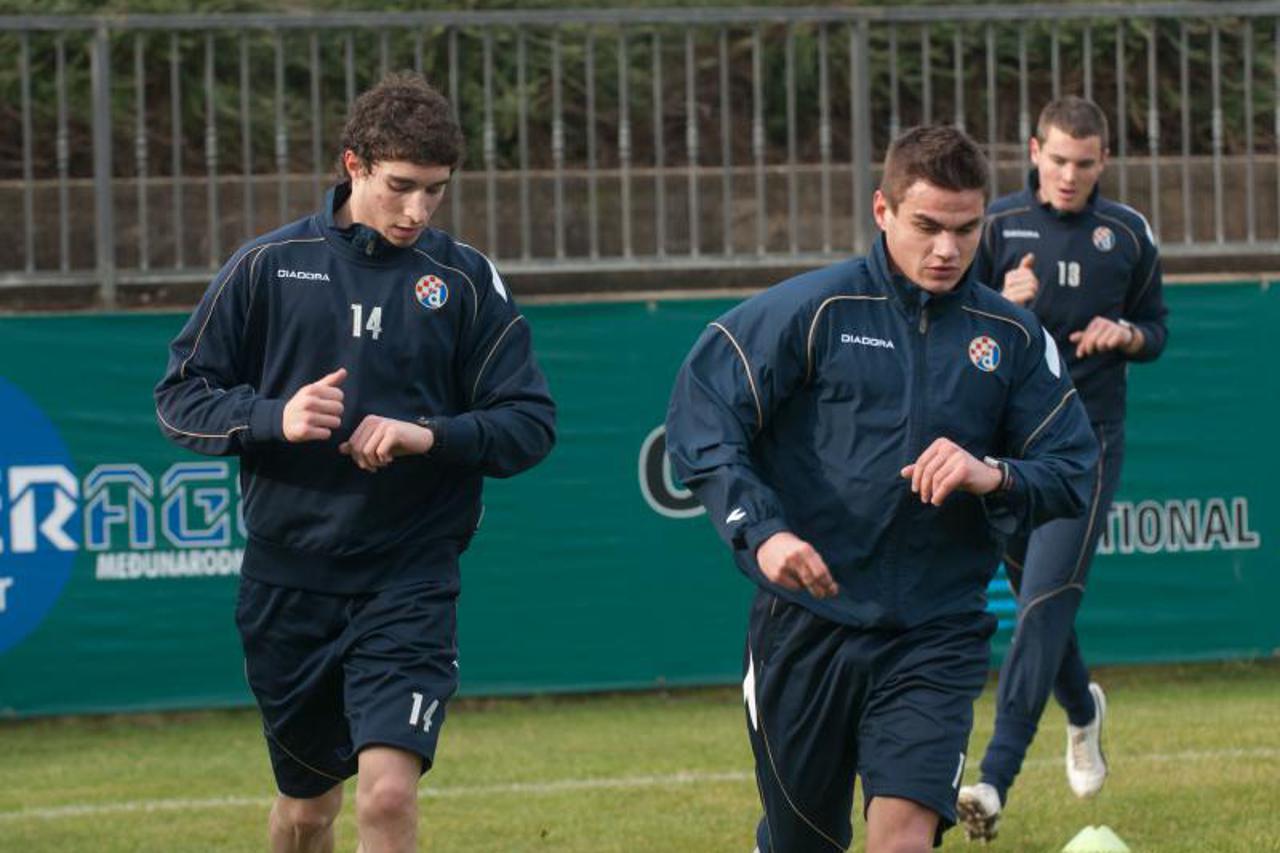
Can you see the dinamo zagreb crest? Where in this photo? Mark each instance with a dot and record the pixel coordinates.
(431, 291)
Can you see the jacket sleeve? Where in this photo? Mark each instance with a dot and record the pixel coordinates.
(1049, 445)
(206, 402)
(735, 377)
(508, 424)
(1144, 303)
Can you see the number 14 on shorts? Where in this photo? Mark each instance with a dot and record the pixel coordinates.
(417, 715)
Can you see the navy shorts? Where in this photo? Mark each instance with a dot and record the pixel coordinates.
(333, 674)
(826, 702)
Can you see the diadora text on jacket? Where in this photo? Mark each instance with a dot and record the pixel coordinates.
(1100, 261)
(427, 333)
(798, 409)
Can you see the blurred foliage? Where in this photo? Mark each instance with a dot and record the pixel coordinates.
(281, 128)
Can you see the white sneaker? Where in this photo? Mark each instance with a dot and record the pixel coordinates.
(978, 808)
(1086, 765)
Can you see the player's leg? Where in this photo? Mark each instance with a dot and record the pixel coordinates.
(304, 825)
(895, 825)
(293, 645)
(801, 707)
(914, 732)
(400, 672)
(1083, 701)
(1071, 688)
(1044, 656)
(387, 799)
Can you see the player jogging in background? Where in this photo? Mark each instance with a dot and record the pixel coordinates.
(1089, 269)
(369, 371)
(864, 437)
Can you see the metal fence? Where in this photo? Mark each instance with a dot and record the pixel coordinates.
(140, 150)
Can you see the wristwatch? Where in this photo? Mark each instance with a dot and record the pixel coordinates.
(436, 433)
(1133, 330)
(1006, 476)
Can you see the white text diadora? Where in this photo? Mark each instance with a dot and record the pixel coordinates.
(846, 338)
(302, 275)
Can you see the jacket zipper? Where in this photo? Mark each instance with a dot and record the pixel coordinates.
(917, 413)
(914, 419)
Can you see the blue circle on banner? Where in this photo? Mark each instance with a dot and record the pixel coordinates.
(39, 516)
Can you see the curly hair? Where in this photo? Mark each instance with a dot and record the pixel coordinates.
(941, 155)
(402, 118)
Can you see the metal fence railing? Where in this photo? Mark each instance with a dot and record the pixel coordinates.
(141, 149)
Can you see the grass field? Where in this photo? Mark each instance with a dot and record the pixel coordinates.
(1195, 753)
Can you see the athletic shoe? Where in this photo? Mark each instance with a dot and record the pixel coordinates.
(1086, 765)
(978, 808)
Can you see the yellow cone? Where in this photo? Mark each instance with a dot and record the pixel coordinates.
(1096, 839)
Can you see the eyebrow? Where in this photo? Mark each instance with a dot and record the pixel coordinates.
(404, 179)
(921, 219)
(1079, 161)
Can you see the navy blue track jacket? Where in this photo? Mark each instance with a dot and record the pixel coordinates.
(1098, 262)
(797, 410)
(425, 332)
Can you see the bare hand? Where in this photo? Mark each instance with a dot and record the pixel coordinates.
(315, 411)
(1103, 335)
(946, 466)
(793, 563)
(378, 440)
(1020, 283)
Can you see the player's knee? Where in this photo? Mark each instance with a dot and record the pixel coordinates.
(387, 800)
(308, 818)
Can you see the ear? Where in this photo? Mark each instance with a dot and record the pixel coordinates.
(880, 209)
(1033, 150)
(354, 166)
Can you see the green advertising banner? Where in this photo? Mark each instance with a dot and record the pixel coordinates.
(119, 552)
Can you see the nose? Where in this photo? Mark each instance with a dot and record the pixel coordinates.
(945, 246)
(417, 209)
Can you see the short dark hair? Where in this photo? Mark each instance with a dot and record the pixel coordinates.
(941, 155)
(402, 118)
(1074, 116)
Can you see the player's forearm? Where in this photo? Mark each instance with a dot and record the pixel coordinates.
(498, 442)
(744, 510)
(710, 454)
(1149, 340)
(216, 422)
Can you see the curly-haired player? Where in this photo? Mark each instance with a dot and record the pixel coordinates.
(369, 371)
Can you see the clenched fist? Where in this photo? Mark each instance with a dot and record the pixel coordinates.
(1020, 283)
(315, 411)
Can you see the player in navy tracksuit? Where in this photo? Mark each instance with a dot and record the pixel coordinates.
(864, 437)
(369, 371)
(1089, 269)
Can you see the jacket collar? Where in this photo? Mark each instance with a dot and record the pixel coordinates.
(362, 240)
